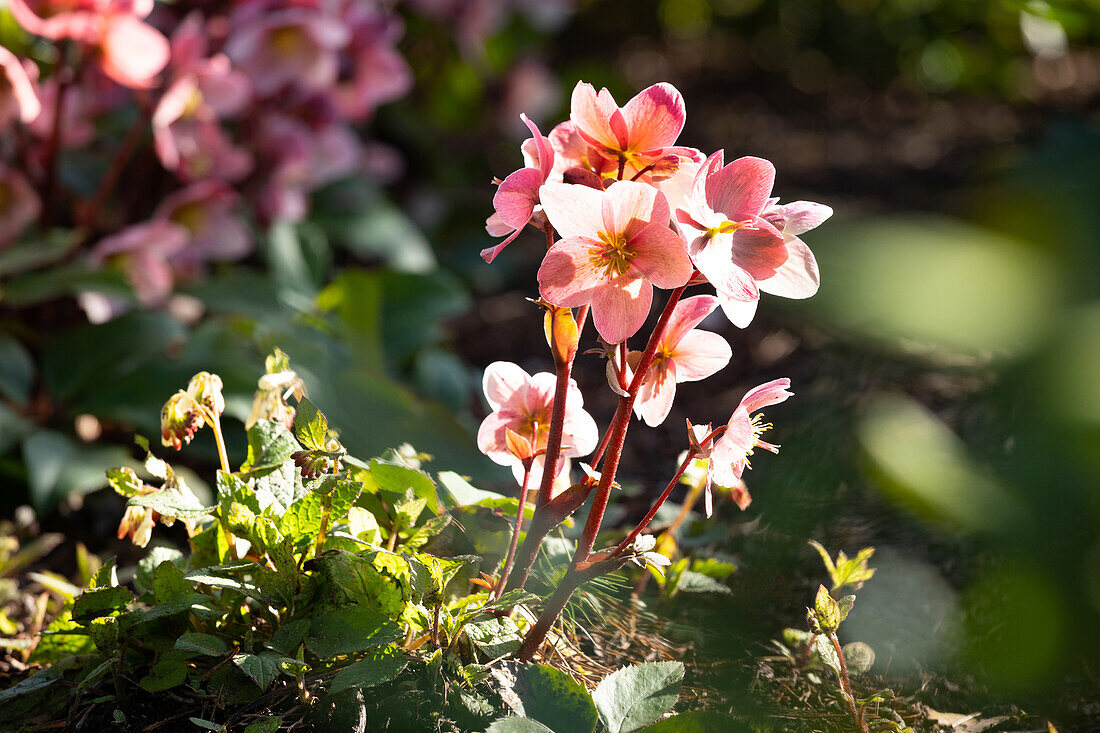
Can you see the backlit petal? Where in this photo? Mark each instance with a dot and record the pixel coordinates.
(575, 211)
(797, 277)
(567, 277)
(620, 308)
(740, 190)
(699, 355)
(501, 381)
(770, 393)
(655, 117)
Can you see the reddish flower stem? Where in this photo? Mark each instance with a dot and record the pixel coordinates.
(618, 430)
(846, 683)
(515, 530)
(626, 543)
(580, 569)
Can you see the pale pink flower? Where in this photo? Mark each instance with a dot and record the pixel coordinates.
(729, 455)
(640, 135)
(206, 210)
(378, 73)
(188, 138)
(616, 246)
(143, 251)
(685, 354)
(18, 96)
(518, 194)
(728, 240)
(522, 405)
(19, 205)
(295, 47)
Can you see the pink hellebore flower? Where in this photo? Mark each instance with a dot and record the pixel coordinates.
(378, 73)
(729, 455)
(132, 52)
(616, 246)
(518, 194)
(737, 248)
(19, 205)
(685, 354)
(188, 138)
(519, 426)
(144, 251)
(636, 136)
(217, 234)
(295, 47)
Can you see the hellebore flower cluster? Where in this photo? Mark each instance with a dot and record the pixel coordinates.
(625, 209)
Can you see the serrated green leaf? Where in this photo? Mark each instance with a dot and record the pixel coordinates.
(698, 721)
(844, 606)
(827, 610)
(206, 644)
(37, 681)
(263, 668)
(100, 601)
(420, 536)
(825, 653)
(636, 696)
(506, 602)
(172, 503)
(455, 491)
(495, 637)
(124, 481)
(207, 725)
(350, 629)
(269, 445)
(310, 426)
(364, 582)
(382, 665)
(169, 671)
(106, 576)
(290, 636)
(554, 698)
(104, 633)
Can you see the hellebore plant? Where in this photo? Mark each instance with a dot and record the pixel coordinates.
(624, 210)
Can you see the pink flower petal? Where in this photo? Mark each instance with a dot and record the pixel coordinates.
(575, 211)
(797, 277)
(620, 308)
(501, 381)
(542, 145)
(22, 88)
(516, 197)
(770, 393)
(802, 216)
(655, 117)
(758, 251)
(591, 115)
(134, 52)
(739, 312)
(741, 189)
(715, 260)
(661, 257)
(688, 314)
(489, 253)
(567, 277)
(491, 437)
(655, 398)
(699, 355)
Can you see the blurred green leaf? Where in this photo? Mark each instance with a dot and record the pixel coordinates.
(32, 253)
(16, 370)
(58, 466)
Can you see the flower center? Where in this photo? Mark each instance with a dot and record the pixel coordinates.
(613, 257)
(729, 226)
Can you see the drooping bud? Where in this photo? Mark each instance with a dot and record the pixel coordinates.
(518, 445)
(180, 418)
(561, 332)
(206, 389)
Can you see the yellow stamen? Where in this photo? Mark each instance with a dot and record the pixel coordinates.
(614, 257)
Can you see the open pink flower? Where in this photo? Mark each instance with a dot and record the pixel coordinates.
(616, 246)
(518, 194)
(294, 47)
(143, 252)
(797, 277)
(131, 51)
(730, 243)
(637, 135)
(685, 354)
(729, 455)
(378, 72)
(519, 426)
(189, 139)
(206, 210)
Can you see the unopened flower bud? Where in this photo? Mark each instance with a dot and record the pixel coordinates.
(206, 389)
(561, 332)
(180, 418)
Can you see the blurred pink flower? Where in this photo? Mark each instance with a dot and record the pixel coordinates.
(518, 194)
(143, 251)
(684, 354)
(378, 73)
(131, 51)
(519, 426)
(217, 233)
(188, 138)
(19, 205)
(78, 114)
(18, 96)
(616, 246)
(728, 240)
(293, 47)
